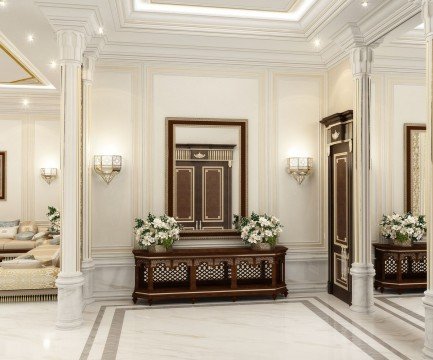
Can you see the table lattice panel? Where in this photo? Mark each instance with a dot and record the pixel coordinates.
(246, 271)
(162, 273)
(390, 265)
(206, 272)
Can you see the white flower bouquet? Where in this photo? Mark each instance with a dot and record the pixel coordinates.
(258, 229)
(54, 217)
(403, 229)
(163, 230)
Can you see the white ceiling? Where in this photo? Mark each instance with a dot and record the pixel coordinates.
(18, 19)
(12, 71)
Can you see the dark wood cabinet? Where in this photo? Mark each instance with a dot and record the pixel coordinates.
(216, 272)
(399, 267)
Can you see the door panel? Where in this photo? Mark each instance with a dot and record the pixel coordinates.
(185, 199)
(340, 232)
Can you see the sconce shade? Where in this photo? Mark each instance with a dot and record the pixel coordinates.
(49, 174)
(299, 167)
(107, 166)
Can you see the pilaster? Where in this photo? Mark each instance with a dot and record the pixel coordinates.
(87, 265)
(427, 12)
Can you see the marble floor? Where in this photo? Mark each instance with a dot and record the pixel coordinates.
(315, 326)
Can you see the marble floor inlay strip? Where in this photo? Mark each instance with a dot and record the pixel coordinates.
(401, 308)
(376, 338)
(400, 317)
(112, 344)
(92, 335)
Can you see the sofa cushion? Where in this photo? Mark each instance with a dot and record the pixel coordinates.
(19, 245)
(47, 254)
(3, 242)
(8, 232)
(28, 226)
(21, 264)
(26, 235)
(9, 223)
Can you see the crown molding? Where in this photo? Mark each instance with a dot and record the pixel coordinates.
(42, 102)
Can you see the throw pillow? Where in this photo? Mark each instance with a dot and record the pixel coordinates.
(9, 223)
(28, 226)
(26, 235)
(40, 235)
(8, 232)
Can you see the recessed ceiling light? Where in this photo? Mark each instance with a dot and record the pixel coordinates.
(364, 3)
(30, 38)
(3, 3)
(101, 30)
(53, 64)
(317, 42)
(26, 103)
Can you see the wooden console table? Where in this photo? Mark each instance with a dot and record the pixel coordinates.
(216, 272)
(400, 268)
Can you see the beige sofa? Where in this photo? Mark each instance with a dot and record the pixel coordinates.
(10, 246)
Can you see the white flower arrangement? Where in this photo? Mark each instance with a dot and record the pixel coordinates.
(163, 230)
(403, 227)
(258, 228)
(54, 217)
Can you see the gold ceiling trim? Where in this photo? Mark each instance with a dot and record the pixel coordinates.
(32, 76)
(169, 2)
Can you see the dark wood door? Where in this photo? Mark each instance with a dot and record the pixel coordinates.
(203, 195)
(340, 221)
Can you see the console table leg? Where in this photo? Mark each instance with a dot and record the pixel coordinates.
(193, 300)
(134, 299)
(274, 296)
(286, 292)
(149, 302)
(234, 298)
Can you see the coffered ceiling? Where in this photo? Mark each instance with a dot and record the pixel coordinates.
(13, 71)
(258, 5)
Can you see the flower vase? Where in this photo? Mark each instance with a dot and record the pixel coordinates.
(262, 246)
(157, 248)
(405, 243)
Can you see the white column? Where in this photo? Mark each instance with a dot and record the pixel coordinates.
(87, 265)
(362, 269)
(427, 12)
(70, 280)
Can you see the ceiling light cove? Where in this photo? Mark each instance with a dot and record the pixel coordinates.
(293, 12)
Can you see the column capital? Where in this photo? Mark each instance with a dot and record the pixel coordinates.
(427, 15)
(361, 59)
(71, 44)
(89, 62)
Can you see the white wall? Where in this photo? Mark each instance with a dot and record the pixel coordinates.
(340, 87)
(397, 100)
(31, 142)
(129, 110)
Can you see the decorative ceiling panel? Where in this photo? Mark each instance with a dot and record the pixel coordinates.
(257, 5)
(13, 71)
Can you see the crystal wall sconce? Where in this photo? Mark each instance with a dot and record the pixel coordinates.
(48, 174)
(299, 167)
(107, 166)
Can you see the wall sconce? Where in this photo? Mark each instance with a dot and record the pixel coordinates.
(107, 166)
(299, 167)
(48, 174)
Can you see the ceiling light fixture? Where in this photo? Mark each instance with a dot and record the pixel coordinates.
(25, 103)
(53, 64)
(3, 3)
(364, 3)
(317, 42)
(30, 38)
(101, 30)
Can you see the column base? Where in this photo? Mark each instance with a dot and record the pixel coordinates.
(87, 267)
(428, 342)
(362, 287)
(70, 300)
